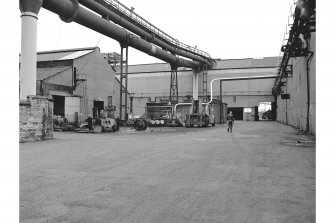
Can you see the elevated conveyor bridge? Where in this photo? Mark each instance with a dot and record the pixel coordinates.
(134, 18)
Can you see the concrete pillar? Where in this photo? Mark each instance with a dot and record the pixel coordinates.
(195, 85)
(29, 11)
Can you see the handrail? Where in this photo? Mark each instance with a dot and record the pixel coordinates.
(129, 14)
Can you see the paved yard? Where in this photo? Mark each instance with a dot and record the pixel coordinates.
(262, 172)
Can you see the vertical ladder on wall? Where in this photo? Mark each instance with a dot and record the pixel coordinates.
(204, 83)
(174, 85)
(123, 85)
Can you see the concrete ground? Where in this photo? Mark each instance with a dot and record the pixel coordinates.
(262, 172)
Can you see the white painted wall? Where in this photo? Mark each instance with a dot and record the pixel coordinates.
(72, 105)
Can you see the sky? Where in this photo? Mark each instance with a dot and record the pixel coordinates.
(224, 29)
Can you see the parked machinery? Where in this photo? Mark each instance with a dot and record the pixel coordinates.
(160, 114)
(200, 115)
(103, 120)
(156, 115)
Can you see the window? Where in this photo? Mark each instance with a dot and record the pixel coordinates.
(247, 110)
(234, 98)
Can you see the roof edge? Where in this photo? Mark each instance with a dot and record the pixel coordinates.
(68, 50)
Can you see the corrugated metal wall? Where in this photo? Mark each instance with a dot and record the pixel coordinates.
(99, 82)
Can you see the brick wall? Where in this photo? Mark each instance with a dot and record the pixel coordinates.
(36, 115)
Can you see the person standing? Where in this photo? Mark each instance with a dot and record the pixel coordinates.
(230, 119)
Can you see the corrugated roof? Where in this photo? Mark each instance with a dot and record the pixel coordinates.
(233, 63)
(43, 73)
(143, 68)
(66, 54)
(265, 62)
(220, 64)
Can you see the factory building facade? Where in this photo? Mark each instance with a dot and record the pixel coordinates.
(151, 83)
(297, 110)
(77, 80)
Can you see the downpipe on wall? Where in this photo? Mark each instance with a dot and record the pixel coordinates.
(308, 87)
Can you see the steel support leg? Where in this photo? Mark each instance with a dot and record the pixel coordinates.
(174, 85)
(221, 105)
(123, 85)
(204, 84)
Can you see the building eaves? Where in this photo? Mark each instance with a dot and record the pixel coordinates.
(65, 54)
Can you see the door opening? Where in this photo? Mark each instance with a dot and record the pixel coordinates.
(59, 105)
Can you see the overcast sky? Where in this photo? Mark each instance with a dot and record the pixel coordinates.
(224, 29)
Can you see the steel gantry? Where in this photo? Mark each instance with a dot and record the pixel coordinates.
(204, 82)
(174, 85)
(123, 84)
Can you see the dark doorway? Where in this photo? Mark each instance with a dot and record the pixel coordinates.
(98, 104)
(97, 107)
(237, 112)
(59, 104)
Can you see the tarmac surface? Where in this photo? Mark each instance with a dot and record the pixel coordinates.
(261, 172)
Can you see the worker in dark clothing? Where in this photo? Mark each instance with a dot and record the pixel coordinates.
(230, 119)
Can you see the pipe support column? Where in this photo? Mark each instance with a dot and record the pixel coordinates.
(195, 85)
(28, 54)
(29, 11)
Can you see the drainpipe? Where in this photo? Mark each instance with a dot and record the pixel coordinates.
(308, 87)
(29, 11)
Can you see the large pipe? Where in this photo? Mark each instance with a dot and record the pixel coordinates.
(29, 11)
(100, 9)
(228, 79)
(70, 10)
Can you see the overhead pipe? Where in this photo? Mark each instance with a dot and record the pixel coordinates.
(227, 79)
(100, 9)
(70, 10)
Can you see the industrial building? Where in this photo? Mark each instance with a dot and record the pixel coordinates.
(151, 83)
(77, 80)
(295, 88)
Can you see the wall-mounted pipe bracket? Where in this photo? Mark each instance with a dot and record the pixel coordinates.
(74, 12)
